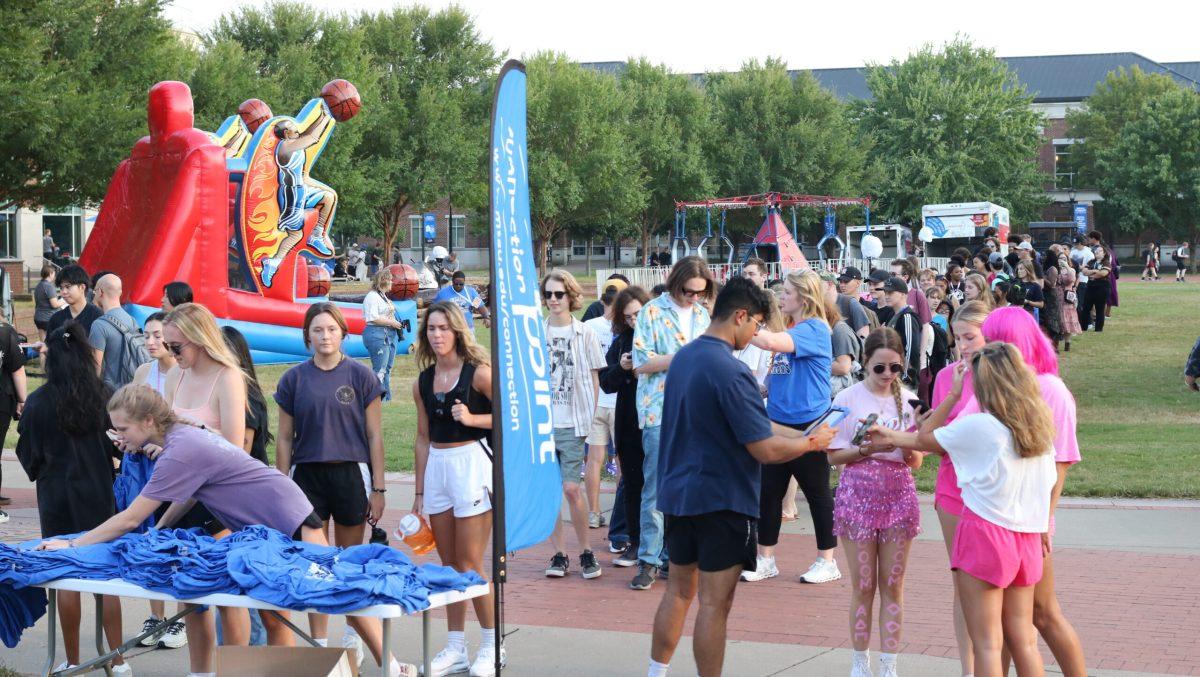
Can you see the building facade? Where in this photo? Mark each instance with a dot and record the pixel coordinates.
(21, 233)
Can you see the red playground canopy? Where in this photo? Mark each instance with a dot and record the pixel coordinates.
(774, 232)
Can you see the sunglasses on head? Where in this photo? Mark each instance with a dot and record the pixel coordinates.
(554, 294)
(894, 367)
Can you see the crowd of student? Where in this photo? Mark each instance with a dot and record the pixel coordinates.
(717, 388)
(166, 425)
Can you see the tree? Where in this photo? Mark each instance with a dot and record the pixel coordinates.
(581, 175)
(73, 81)
(1119, 100)
(1151, 170)
(952, 126)
(780, 132)
(668, 122)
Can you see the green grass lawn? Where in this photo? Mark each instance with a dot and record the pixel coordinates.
(1138, 423)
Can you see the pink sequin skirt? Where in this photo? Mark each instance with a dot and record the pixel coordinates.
(876, 501)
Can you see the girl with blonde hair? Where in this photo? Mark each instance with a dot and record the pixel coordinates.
(976, 288)
(1005, 464)
(798, 392)
(453, 463)
(382, 330)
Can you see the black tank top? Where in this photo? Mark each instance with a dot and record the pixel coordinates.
(443, 429)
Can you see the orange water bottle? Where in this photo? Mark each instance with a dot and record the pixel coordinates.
(415, 533)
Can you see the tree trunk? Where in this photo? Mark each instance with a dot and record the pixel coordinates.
(389, 223)
(588, 249)
(645, 228)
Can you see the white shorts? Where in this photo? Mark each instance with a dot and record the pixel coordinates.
(459, 478)
(604, 427)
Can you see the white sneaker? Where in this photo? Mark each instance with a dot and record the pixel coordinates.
(123, 670)
(764, 569)
(861, 666)
(351, 640)
(485, 663)
(174, 637)
(888, 669)
(64, 666)
(822, 571)
(449, 662)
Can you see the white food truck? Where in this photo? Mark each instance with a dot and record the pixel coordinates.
(961, 224)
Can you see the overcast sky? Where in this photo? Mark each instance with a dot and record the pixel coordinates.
(708, 36)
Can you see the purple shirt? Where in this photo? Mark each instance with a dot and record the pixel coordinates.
(329, 410)
(237, 489)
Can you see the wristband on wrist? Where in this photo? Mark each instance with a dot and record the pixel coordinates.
(420, 493)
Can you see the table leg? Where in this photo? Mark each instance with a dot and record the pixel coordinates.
(52, 630)
(386, 662)
(426, 659)
(100, 633)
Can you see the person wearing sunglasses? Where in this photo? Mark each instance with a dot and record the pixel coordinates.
(575, 361)
(73, 285)
(876, 513)
(665, 325)
(618, 378)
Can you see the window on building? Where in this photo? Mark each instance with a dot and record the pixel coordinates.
(415, 230)
(580, 248)
(8, 235)
(1064, 170)
(67, 230)
(458, 232)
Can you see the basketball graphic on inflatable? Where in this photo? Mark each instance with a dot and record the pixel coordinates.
(254, 112)
(319, 280)
(342, 99)
(404, 282)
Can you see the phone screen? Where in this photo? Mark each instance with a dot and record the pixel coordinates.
(832, 417)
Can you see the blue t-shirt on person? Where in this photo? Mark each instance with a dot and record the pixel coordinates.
(711, 410)
(468, 299)
(329, 410)
(798, 386)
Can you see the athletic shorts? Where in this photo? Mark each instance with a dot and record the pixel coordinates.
(996, 555)
(604, 427)
(716, 540)
(459, 478)
(41, 324)
(337, 490)
(571, 454)
(313, 521)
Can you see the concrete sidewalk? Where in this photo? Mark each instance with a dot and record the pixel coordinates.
(1125, 572)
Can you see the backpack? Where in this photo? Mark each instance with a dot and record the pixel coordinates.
(939, 354)
(133, 351)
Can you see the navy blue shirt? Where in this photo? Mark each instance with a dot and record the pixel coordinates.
(798, 386)
(711, 410)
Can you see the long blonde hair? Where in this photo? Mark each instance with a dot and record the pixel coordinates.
(812, 297)
(141, 402)
(972, 313)
(985, 292)
(464, 339)
(1007, 389)
(198, 326)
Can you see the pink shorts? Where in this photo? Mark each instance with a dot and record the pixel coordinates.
(946, 494)
(996, 555)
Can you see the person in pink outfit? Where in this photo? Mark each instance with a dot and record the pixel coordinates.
(876, 511)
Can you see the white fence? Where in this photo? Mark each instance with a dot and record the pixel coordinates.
(648, 276)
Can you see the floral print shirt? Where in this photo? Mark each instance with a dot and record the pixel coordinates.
(658, 332)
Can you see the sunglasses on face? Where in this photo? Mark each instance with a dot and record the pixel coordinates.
(176, 348)
(553, 294)
(693, 293)
(894, 367)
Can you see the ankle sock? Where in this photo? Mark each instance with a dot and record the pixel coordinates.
(487, 639)
(863, 656)
(321, 641)
(457, 640)
(657, 669)
(886, 658)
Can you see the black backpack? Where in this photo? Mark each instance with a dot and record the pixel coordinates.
(133, 350)
(939, 356)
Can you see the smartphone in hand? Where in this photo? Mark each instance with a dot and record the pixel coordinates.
(861, 433)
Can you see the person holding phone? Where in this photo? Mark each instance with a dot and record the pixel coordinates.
(876, 513)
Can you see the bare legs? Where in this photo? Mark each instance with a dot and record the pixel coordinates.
(966, 655)
(573, 496)
(343, 537)
(70, 614)
(1054, 627)
(893, 562)
(862, 556)
(877, 565)
(716, 590)
(461, 542)
(998, 618)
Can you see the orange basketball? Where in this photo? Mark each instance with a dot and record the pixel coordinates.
(342, 99)
(318, 280)
(254, 112)
(404, 282)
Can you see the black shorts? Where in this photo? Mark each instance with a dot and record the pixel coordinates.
(717, 540)
(335, 490)
(313, 521)
(197, 517)
(41, 324)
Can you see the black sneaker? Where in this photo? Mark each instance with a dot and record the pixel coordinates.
(3, 517)
(588, 566)
(628, 557)
(645, 577)
(617, 547)
(559, 564)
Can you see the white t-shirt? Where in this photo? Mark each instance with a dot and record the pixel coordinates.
(996, 483)
(602, 327)
(685, 318)
(375, 306)
(860, 403)
(757, 359)
(562, 374)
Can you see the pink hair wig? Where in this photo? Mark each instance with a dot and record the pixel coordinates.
(1016, 326)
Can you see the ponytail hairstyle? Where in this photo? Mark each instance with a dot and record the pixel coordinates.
(886, 338)
(1007, 389)
(71, 372)
(140, 402)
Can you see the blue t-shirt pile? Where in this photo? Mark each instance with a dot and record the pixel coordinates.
(135, 473)
(258, 562)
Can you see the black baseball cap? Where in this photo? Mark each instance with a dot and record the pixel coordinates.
(879, 275)
(850, 273)
(895, 284)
